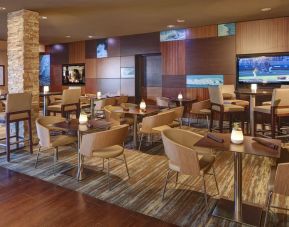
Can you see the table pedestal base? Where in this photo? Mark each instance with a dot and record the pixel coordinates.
(85, 173)
(251, 215)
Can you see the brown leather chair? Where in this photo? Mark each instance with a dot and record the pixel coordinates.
(185, 158)
(18, 108)
(70, 103)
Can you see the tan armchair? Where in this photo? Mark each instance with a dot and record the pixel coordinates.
(280, 186)
(121, 99)
(268, 103)
(200, 109)
(105, 145)
(44, 127)
(18, 108)
(114, 117)
(185, 158)
(109, 101)
(229, 96)
(70, 103)
(153, 125)
(179, 112)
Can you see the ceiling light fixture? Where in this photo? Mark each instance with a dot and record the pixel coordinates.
(90, 36)
(68, 36)
(266, 9)
(44, 17)
(2, 8)
(171, 26)
(180, 20)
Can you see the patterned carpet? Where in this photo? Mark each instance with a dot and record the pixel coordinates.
(183, 205)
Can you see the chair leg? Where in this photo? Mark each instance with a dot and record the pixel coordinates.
(108, 176)
(141, 138)
(124, 159)
(255, 123)
(166, 182)
(230, 122)
(215, 178)
(30, 134)
(38, 152)
(103, 164)
(177, 178)
(273, 125)
(205, 192)
(268, 207)
(221, 119)
(211, 120)
(8, 140)
(54, 160)
(208, 124)
(17, 133)
(57, 154)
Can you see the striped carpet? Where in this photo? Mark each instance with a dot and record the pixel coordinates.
(183, 205)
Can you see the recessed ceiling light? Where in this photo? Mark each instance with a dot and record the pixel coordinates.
(266, 9)
(180, 20)
(171, 26)
(2, 8)
(90, 36)
(68, 36)
(44, 17)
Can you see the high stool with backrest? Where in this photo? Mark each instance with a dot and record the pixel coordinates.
(70, 103)
(18, 108)
(218, 106)
(279, 108)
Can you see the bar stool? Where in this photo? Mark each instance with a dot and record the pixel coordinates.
(279, 108)
(18, 108)
(70, 103)
(218, 106)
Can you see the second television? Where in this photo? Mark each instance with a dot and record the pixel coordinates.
(73, 74)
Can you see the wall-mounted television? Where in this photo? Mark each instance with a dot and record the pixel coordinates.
(263, 68)
(73, 74)
(44, 69)
(204, 81)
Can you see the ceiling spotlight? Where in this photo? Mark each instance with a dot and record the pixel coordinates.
(171, 26)
(266, 9)
(90, 36)
(68, 36)
(180, 20)
(43, 17)
(2, 8)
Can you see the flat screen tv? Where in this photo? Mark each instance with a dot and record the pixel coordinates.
(263, 69)
(73, 74)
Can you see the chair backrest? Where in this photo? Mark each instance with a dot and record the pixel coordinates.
(281, 184)
(284, 86)
(216, 95)
(121, 99)
(280, 97)
(18, 102)
(99, 140)
(205, 104)
(228, 89)
(163, 101)
(179, 148)
(163, 118)
(42, 128)
(179, 111)
(109, 101)
(128, 105)
(110, 115)
(71, 96)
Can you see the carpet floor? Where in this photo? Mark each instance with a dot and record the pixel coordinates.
(183, 205)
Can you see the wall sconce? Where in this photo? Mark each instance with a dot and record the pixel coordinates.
(98, 95)
(254, 88)
(237, 136)
(143, 106)
(46, 89)
(83, 119)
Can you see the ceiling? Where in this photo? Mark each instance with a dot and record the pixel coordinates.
(108, 18)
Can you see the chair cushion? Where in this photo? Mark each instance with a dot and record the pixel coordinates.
(268, 103)
(237, 102)
(12, 117)
(205, 111)
(229, 108)
(160, 128)
(267, 110)
(109, 152)
(57, 108)
(175, 124)
(63, 140)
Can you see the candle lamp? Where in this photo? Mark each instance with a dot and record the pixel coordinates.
(254, 88)
(83, 119)
(98, 95)
(142, 106)
(237, 136)
(46, 89)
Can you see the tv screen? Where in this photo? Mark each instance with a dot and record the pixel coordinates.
(266, 69)
(44, 70)
(73, 74)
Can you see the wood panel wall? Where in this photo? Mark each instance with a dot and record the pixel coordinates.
(202, 32)
(76, 52)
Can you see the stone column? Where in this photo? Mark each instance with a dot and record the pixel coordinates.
(23, 56)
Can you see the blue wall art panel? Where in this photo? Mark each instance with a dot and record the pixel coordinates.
(44, 70)
(172, 35)
(226, 29)
(101, 49)
(204, 81)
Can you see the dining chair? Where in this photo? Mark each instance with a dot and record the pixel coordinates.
(106, 145)
(187, 159)
(268, 103)
(18, 109)
(223, 109)
(116, 118)
(45, 128)
(70, 103)
(201, 109)
(279, 186)
(278, 109)
(110, 101)
(179, 112)
(163, 102)
(121, 99)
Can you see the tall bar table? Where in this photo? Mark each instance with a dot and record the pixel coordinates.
(45, 96)
(236, 210)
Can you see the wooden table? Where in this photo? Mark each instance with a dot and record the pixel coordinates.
(135, 112)
(253, 95)
(45, 96)
(238, 211)
(73, 126)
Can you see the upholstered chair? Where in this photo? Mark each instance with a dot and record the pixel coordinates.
(268, 103)
(121, 99)
(44, 127)
(116, 118)
(187, 159)
(105, 145)
(69, 103)
(55, 99)
(18, 108)
(219, 106)
(201, 109)
(229, 96)
(278, 186)
(179, 112)
(279, 108)
(153, 125)
(110, 101)
(163, 102)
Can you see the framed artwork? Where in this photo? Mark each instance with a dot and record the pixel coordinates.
(44, 69)
(226, 29)
(127, 72)
(2, 75)
(101, 49)
(204, 81)
(173, 35)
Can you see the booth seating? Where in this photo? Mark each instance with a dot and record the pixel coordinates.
(69, 104)
(105, 145)
(223, 109)
(279, 108)
(185, 158)
(48, 142)
(18, 109)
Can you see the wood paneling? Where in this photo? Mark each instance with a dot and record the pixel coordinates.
(140, 44)
(90, 48)
(56, 78)
(173, 57)
(128, 61)
(108, 67)
(4, 61)
(211, 56)
(3, 45)
(202, 32)
(173, 92)
(59, 54)
(113, 47)
(90, 67)
(76, 52)
(90, 85)
(170, 81)
(197, 93)
(127, 87)
(263, 36)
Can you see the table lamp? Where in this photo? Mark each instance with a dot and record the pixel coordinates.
(98, 95)
(142, 106)
(180, 96)
(83, 118)
(237, 135)
(46, 89)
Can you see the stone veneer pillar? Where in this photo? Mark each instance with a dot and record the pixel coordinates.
(23, 56)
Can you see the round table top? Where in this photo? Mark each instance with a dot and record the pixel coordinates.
(49, 93)
(257, 92)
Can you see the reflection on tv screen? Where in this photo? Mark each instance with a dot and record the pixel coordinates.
(73, 74)
(263, 69)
